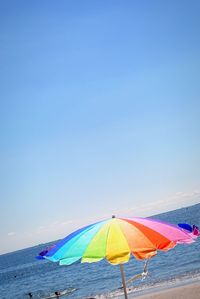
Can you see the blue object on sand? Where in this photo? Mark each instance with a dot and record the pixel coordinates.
(185, 226)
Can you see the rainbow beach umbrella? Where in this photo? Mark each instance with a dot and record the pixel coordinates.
(115, 240)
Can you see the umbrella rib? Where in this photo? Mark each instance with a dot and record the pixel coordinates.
(78, 237)
(107, 241)
(134, 223)
(169, 225)
(69, 237)
(93, 239)
(137, 229)
(124, 235)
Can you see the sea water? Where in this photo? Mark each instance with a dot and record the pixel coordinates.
(21, 272)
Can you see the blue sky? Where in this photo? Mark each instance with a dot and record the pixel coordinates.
(99, 113)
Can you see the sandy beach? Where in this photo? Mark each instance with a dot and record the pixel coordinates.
(189, 291)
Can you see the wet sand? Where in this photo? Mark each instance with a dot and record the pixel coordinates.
(189, 291)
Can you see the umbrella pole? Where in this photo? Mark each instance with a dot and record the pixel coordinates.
(123, 281)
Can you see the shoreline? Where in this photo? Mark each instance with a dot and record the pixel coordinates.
(189, 291)
(178, 291)
(184, 290)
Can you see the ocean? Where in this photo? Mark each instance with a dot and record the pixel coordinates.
(21, 272)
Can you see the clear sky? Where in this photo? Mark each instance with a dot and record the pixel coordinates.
(99, 113)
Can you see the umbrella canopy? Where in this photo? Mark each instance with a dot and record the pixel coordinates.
(116, 240)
